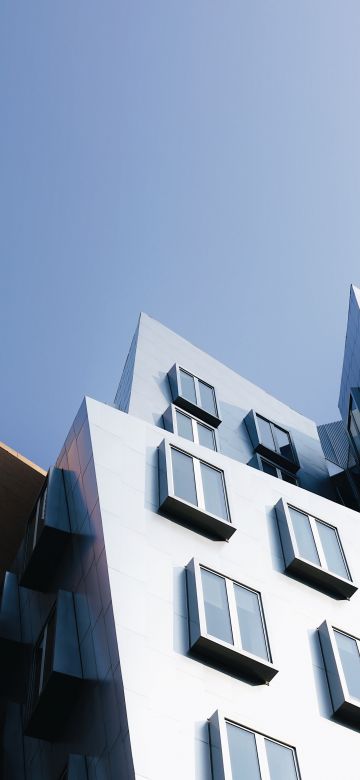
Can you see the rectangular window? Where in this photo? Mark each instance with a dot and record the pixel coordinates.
(248, 755)
(319, 542)
(244, 614)
(341, 654)
(194, 395)
(227, 624)
(43, 658)
(348, 648)
(276, 471)
(192, 429)
(193, 492)
(199, 483)
(313, 551)
(275, 438)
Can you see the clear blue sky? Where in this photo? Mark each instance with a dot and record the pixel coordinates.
(198, 160)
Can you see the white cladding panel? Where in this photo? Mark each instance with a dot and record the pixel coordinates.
(170, 695)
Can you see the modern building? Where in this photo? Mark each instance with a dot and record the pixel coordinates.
(184, 602)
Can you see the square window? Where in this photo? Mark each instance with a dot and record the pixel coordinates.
(240, 752)
(194, 395)
(184, 424)
(313, 551)
(341, 653)
(272, 441)
(227, 625)
(193, 492)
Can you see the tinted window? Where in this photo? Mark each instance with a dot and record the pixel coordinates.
(184, 426)
(206, 436)
(187, 386)
(207, 399)
(281, 761)
(214, 494)
(268, 468)
(283, 443)
(331, 548)
(250, 623)
(288, 477)
(265, 433)
(184, 479)
(243, 754)
(216, 606)
(350, 660)
(304, 536)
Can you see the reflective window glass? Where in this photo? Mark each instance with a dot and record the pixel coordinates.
(250, 622)
(268, 468)
(184, 479)
(184, 426)
(214, 493)
(281, 761)
(266, 436)
(304, 536)
(283, 443)
(243, 754)
(331, 548)
(350, 660)
(206, 436)
(187, 386)
(288, 477)
(207, 398)
(216, 606)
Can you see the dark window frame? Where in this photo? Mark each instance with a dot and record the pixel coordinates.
(219, 746)
(231, 656)
(211, 418)
(192, 515)
(308, 571)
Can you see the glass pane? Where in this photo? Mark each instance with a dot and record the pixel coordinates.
(250, 623)
(332, 551)
(281, 761)
(304, 536)
(283, 443)
(265, 433)
(187, 386)
(184, 479)
(207, 398)
(216, 606)
(206, 436)
(214, 493)
(350, 660)
(243, 754)
(268, 468)
(184, 426)
(288, 477)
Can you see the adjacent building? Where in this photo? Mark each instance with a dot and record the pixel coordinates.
(185, 599)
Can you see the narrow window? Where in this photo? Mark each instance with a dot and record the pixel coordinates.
(207, 398)
(350, 660)
(184, 478)
(283, 442)
(266, 435)
(184, 426)
(243, 753)
(281, 761)
(214, 493)
(188, 386)
(332, 550)
(268, 468)
(304, 536)
(206, 436)
(216, 606)
(250, 621)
